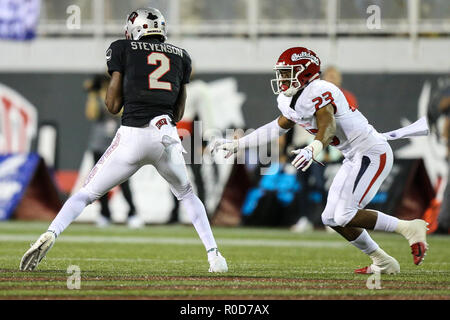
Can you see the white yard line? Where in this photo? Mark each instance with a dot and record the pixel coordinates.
(184, 241)
(109, 259)
(119, 229)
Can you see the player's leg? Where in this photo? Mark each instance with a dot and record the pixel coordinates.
(358, 237)
(381, 261)
(361, 186)
(172, 168)
(116, 165)
(105, 213)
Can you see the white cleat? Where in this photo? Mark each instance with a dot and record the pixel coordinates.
(416, 234)
(302, 225)
(388, 266)
(416, 231)
(102, 222)
(37, 252)
(217, 263)
(135, 222)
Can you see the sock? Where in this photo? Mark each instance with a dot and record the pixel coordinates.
(197, 214)
(69, 212)
(365, 243)
(386, 222)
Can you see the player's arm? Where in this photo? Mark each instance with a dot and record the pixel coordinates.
(326, 126)
(260, 136)
(180, 104)
(285, 123)
(114, 96)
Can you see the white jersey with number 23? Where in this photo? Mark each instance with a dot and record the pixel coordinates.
(353, 131)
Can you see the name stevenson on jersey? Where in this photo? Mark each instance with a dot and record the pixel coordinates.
(156, 47)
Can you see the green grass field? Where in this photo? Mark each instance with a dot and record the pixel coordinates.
(169, 262)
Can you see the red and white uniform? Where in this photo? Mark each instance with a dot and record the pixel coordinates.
(353, 131)
(368, 156)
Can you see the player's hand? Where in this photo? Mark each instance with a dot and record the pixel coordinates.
(303, 159)
(229, 146)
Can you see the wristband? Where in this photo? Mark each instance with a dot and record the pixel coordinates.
(316, 146)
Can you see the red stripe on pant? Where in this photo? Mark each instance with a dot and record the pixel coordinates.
(380, 169)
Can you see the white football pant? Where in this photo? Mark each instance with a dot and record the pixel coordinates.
(356, 183)
(157, 144)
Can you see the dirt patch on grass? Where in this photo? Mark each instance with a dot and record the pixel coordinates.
(191, 278)
(232, 279)
(239, 298)
(304, 286)
(146, 284)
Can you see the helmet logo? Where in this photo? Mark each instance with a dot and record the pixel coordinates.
(133, 16)
(305, 55)
(151, 16)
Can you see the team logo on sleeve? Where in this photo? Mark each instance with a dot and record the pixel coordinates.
(108, 54)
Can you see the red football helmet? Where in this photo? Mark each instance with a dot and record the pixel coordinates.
(295, 68)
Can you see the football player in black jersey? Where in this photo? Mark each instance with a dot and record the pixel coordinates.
(148, 78)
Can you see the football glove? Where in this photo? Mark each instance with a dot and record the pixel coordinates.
(229, 146)
(303, 159)
(307, 155)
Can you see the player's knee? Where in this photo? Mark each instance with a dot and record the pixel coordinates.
(182, 191)
(344, 216)
(327, 221)
(85, 196)
(327, 216)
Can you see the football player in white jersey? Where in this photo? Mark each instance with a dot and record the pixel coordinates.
(321, 108)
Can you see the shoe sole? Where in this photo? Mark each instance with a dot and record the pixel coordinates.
(222, 269)
(26, 263)
(31, 259)
(34, 256)
(422, 247)
(361, 271)
(218, 271)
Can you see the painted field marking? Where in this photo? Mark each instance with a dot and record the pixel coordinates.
(184, 241)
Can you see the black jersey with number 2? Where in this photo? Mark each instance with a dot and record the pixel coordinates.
(153, 73)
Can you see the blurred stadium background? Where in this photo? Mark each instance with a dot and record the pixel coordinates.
(397, 69)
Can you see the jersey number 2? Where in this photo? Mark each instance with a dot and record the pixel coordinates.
(164, 67)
